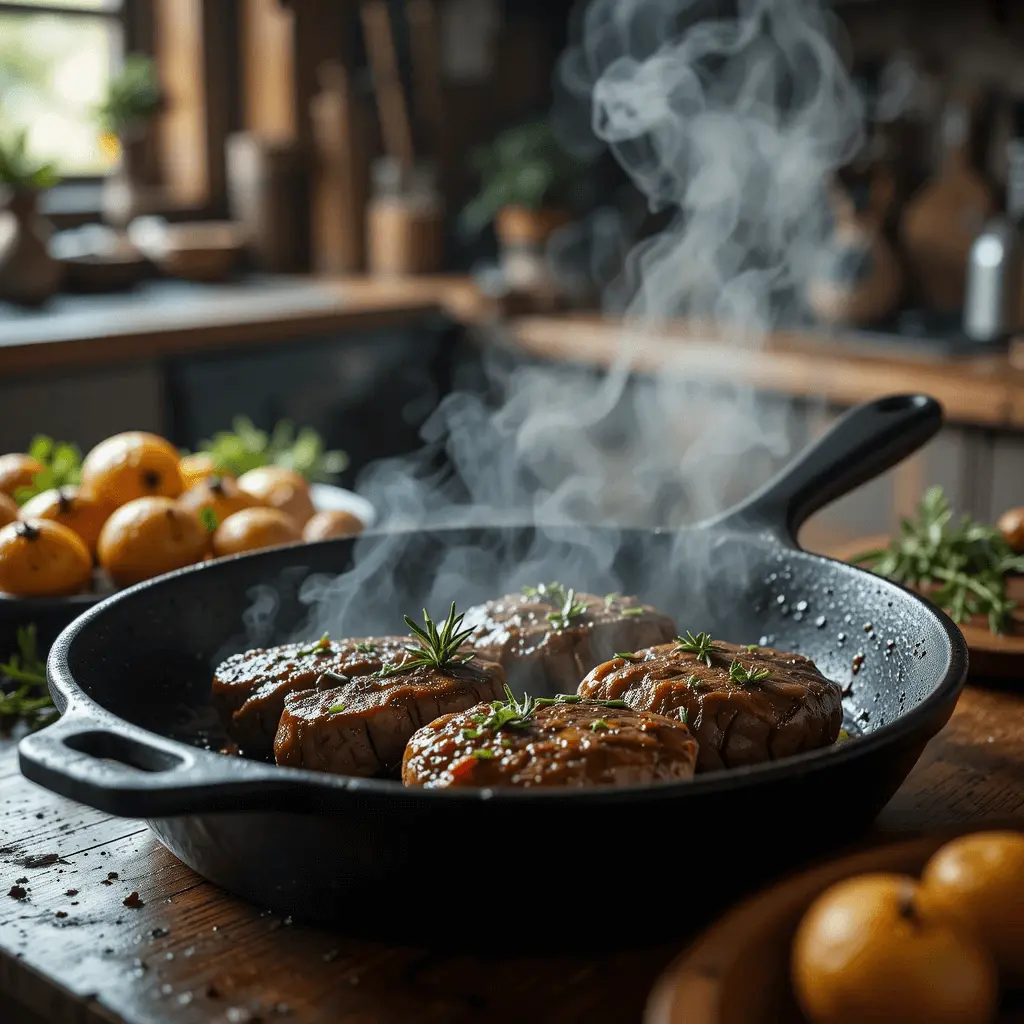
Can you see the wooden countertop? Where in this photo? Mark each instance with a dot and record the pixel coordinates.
(73, 952)
(162, 319)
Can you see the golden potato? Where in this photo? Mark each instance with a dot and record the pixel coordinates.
(132, 465)
(72, 507)
(279, 488)
(148, 537)
(864, 953)
(220, 494)
(197, 467)
(977, 882)
(41, 558)
(326, 525)
(253, 529)
(17, 470)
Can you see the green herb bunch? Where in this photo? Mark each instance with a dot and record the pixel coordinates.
(133, 97)
(27, 699)
(20, 171)
(62, 467)
(246, 447)
(436, 648)
(961, 566)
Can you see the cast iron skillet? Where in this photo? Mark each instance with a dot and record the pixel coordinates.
(132, 677)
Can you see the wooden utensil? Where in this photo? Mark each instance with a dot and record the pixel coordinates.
(993, 655)
(737, 972)
(396, 130)
(943, 218)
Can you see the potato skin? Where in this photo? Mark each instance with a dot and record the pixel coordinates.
(75, 508)
(280, 488)
(8, 510)
(41, 558)
(330, 524)
(132, 465)
(220, 494)
(253, 529)
(148, 537)
(17, 470)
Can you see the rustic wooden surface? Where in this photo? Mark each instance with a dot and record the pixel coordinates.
(192, 953)
(164, 320)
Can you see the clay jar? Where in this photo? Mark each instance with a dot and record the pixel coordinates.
(29, 275)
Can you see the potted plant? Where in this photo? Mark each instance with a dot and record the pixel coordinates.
(134, 97)
(526, 184)
(29, 275)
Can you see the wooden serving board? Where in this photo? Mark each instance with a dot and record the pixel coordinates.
(737, 972)
(993, 656)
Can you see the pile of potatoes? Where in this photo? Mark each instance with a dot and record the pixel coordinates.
(143, 510)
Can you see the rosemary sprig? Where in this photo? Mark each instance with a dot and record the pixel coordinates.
(515, 713)
(552, 593)
(701, 645)
(366, 648)
(962, 567)
(29, 700)
(436, 648)
(747, 676)
(571, 609)
(318, 647)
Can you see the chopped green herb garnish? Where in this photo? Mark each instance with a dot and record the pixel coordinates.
(470, 734)
(321, 645)
(696, 683)
(332, 679)
(483, 754)
(633, 611)
(610, 599)
(843, 736)
(335, 709)
(552, 593)
(747, 676)
(752, 648)
(517, 714)
(963, 566)
(625, 655)
(208, 518)
(506, 743)
(29, 701)
(684, 716)
(701, 645)
(366, 648)
(435, 648)
(599, 723)
(570, 609)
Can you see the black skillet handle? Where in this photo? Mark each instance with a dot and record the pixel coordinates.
(94, 759)
(863, 443)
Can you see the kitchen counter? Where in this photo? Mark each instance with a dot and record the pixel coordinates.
(166, 318)
(73, 951)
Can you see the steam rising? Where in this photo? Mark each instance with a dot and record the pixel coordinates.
(731, 126)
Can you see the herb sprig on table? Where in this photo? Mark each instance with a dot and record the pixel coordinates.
(27, 699)
(961, 566)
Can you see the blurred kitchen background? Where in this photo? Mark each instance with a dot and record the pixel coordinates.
(340, 211)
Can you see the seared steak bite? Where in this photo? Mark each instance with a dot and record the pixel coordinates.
(548, 638)
(746, 705)
(569, 743)
(360, 726)
(249, 688)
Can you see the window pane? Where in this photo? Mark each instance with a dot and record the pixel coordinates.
(71, 5)
(53, 73)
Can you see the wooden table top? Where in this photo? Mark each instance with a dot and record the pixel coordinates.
(168, 318)
(71, 951)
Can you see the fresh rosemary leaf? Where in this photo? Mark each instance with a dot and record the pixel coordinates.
(366, 648)
(599, 723)
(323, 644)
(29, 702)
(435, 648)
(610, 599)
(331, 679)
(552, 593)
(625, 655)
(335, 709)
(747, 676)
(632, 611)
(570, 609)
(684, 716)
(483, 754)
(701, 646)
(961, 567)
(470, 734)
(752, 648)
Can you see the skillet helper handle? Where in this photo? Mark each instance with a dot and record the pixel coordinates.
(860, 445)
(88, 757)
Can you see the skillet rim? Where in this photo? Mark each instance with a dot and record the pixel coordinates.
(248, 773)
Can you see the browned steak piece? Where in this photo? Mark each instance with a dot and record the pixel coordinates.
(249, 688)
(543, 652)
(560, 744)
(739, 718)
(361, 727)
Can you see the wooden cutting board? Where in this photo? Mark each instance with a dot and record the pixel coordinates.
(993, 656)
